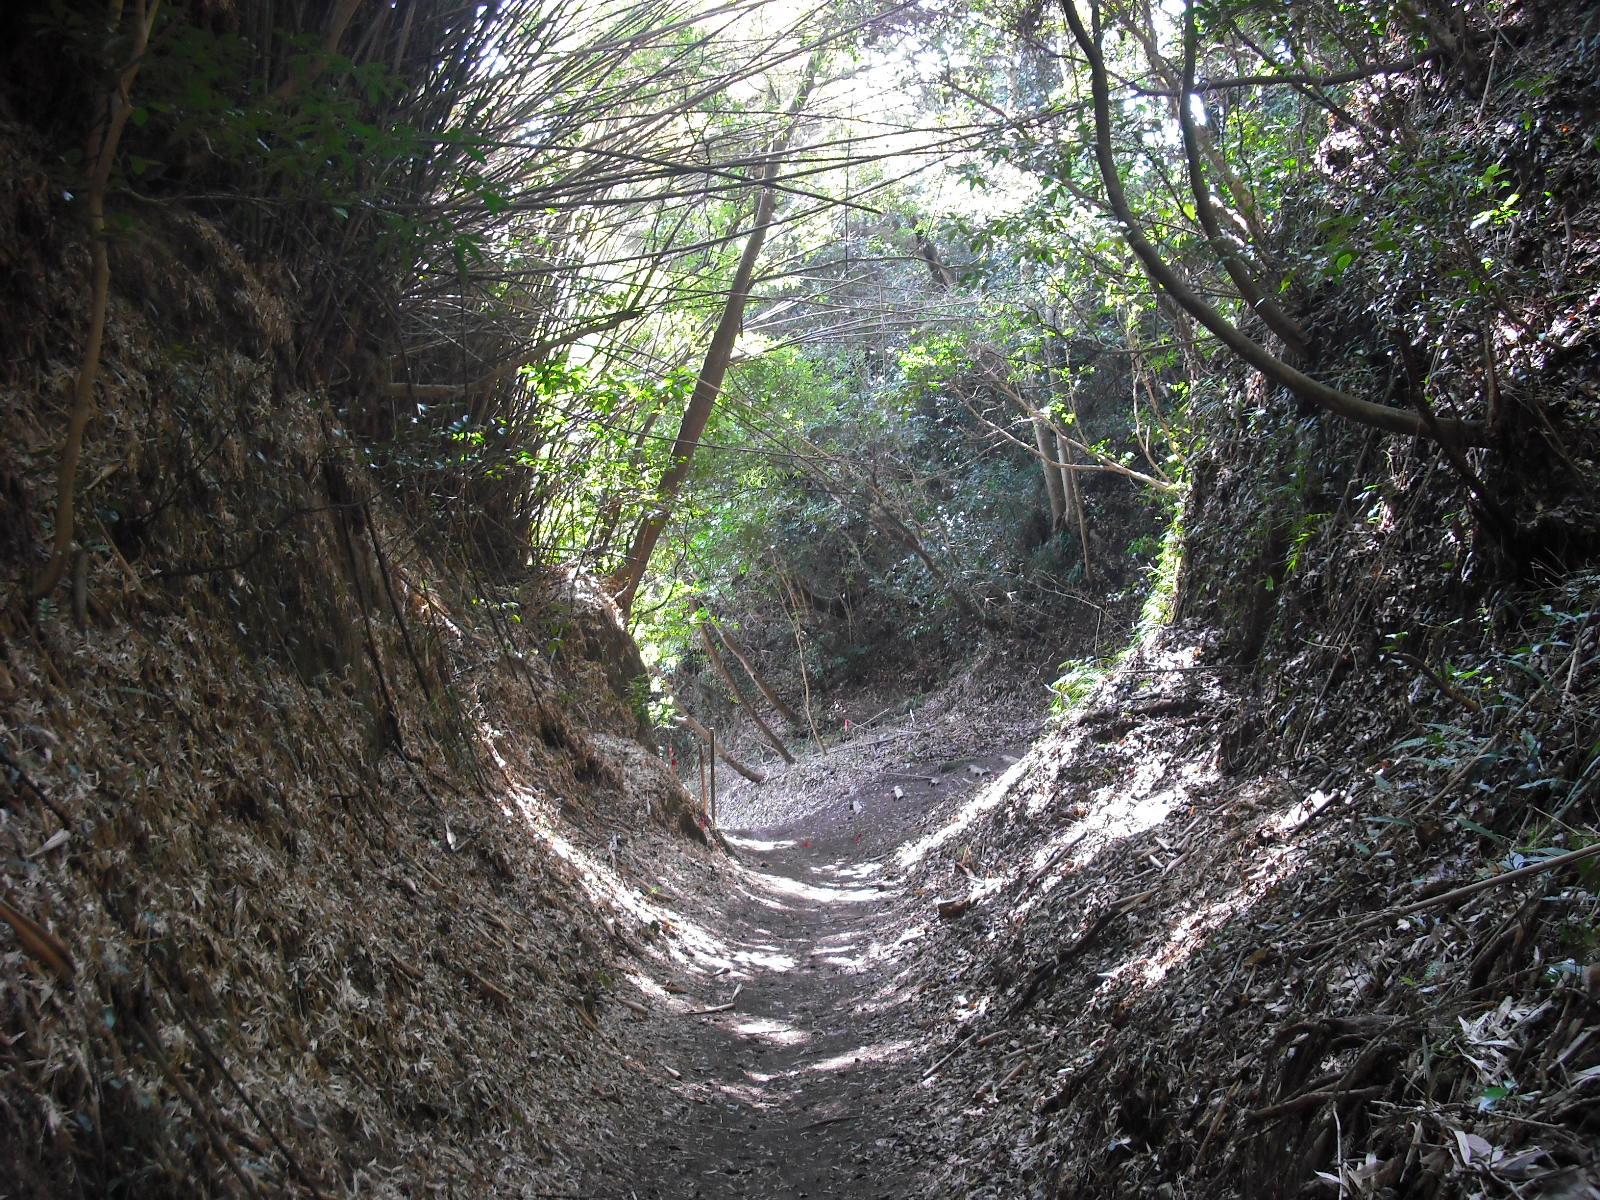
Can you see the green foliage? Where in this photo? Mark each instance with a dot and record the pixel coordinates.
(330, 140)
(839, 439)
(1165, 574)
(1301, 534)
(1078, 679)
(1519, 762)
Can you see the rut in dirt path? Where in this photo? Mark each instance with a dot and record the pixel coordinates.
(800, 1089)
(789, 1089)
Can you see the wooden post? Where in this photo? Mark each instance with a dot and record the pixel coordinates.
(713, 778)
(701, 752)
(721, 752)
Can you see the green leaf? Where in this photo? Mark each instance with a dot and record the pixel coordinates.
(1490, 1096)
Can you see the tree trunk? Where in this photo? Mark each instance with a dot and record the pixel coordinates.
(1075, 513)
(890, 523)
(101, 156)
(1042, 437)
(709, 739)
(738, 693)
(625, 584)
(1166, 278)
(940, 276)
(790, 600)
(739, 652)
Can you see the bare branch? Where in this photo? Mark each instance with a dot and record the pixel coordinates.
(1365, 412)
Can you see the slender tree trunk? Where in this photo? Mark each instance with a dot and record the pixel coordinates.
(1075, 511)
(791, 608)
(718, 751)
(738, 693)
(1042, 437)
(1196, 142)
(710, 739)
(1199, 309)
(625, 584)
(940, 276)
(896, 527)
(739, 652)
(102, 152)
(1071, 506)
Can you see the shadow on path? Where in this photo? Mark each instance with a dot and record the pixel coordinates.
(785, 1093)
(795, 1049)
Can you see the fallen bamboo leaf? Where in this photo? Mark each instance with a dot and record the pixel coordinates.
(39, 942)
(57, 838)
(1522, 1165)
(1471, 1146)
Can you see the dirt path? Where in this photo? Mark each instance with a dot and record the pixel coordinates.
(784, 1093)
(804, 1085)
(1143, 980)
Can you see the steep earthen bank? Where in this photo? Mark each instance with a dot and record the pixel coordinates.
(1303, 901)
(331, 839)
(315, 849)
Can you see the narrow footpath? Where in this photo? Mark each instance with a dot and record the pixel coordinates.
(796, 1038)
(953, 959)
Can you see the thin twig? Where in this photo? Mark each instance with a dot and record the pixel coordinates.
(1482, 885)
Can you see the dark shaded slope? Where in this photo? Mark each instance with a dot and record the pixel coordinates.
(304, 840)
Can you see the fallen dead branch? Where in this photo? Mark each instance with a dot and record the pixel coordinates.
(987, 1039)
(1046, 971)
(1311, 1100)
(716, 1008)
(1482, 885)
(41, 945)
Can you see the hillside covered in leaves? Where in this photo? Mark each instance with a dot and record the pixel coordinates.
(439, 443)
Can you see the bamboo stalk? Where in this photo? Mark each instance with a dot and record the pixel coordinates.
(102, 152)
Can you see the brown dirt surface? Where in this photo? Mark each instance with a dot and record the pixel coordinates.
(1093, 963)
(804, 945)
